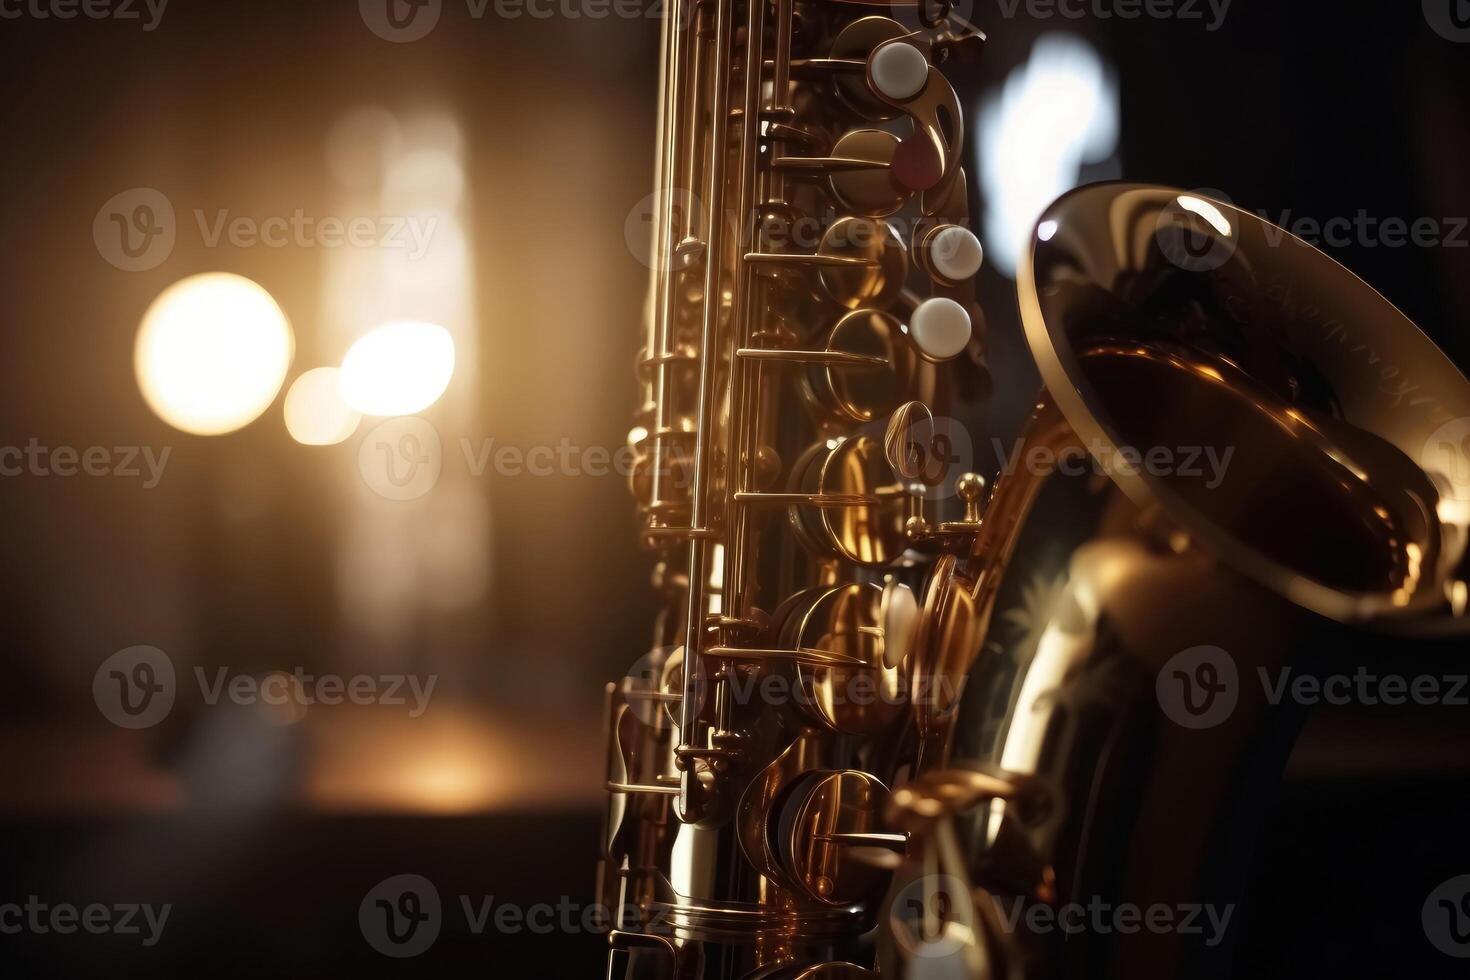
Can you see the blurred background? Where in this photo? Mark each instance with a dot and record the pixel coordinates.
(448, 229)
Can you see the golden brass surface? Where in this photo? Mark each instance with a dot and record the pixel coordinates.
(882, 695)
(863, 699)
(871, 533)
(750, 751)
(852, 46)
(875, 262)
(871, 390)
(868, 190)
(829, 816)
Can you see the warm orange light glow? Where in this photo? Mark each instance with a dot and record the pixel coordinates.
(449, 784)
(452, 759)
(211, 353)
(398, 369)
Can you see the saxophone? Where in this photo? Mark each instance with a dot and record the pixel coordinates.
(888, 713)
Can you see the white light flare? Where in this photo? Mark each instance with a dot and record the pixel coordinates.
(1206, 210)
(316, 414)
(398, 369)
(1056, 113)
(212, 353)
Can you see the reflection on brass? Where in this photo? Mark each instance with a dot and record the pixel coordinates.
(942, 794)
(815, 971)
(870, 533)
(828, 818)
(938, 134)
(869, 190)
(1290, 363)
(865, 392)
(877, 707)
(747, 836)
(850, 48)
(910, 428)
(860, 700)
(878, 262)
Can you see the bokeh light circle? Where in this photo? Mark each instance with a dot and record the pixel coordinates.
(315, 413)
(398, 369)
(212, 353)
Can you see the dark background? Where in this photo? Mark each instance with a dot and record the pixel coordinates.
(266, 838)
